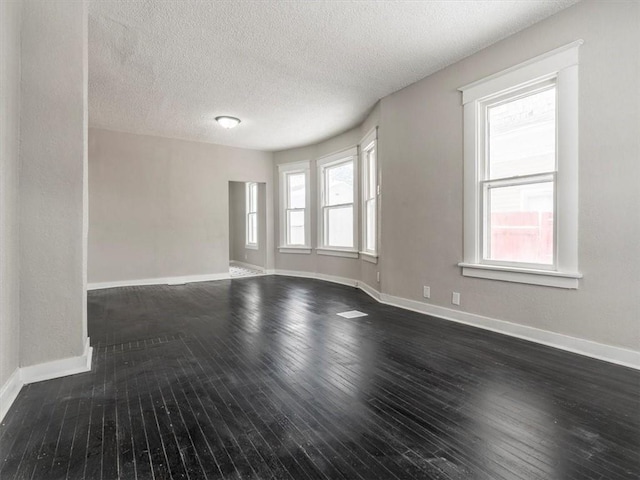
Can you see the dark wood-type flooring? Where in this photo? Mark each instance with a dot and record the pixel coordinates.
(258, 378)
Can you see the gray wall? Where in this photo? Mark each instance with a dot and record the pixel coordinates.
(52, 181)
(159, 206)
(9, 163)
(237, 227)
(421, 159)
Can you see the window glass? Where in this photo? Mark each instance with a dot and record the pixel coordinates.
(339, 184)
(520, 219)
(522, 135)
(339, 226)
(295, 225)
(297, 193)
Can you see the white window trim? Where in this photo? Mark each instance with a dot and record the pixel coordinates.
(329, 161)
(285, 169)
(561, 64)
(250, 246)
(369, 140)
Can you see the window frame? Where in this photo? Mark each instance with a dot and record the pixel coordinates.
(249, 213)
(369, 143)
(285, 170)
(324, 164)
(559, 66)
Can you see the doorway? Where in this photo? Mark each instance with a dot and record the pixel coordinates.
(247, 228)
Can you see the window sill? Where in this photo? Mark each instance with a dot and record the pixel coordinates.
(334, 252)
(301, 250)
(251, 247)
(369, 257)
(522, 275)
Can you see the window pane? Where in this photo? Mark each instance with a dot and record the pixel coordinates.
(339, 222)
(521, 223)
(297, 192)
(339, 184)
(252, 228)
(295, 227)
(371, 226)
(253, 197)
(522, 135)
(371, 173)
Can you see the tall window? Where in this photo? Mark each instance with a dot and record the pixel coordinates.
(337, 212)
(368, 153)
(294, 212)
(252, 215)
(521, 173)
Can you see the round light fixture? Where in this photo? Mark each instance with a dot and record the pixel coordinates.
(228, 122)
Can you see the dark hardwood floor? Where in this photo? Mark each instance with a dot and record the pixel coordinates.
(259, 378)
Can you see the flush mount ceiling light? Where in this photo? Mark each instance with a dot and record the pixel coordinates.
(228, 122)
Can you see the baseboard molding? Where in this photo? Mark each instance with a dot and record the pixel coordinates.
(159, 281)
(608, 353)
(318, 276)
(41, 372)
(9, 392)
(248, 265)
(58, 368)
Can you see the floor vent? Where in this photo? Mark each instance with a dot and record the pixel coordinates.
(352, 314)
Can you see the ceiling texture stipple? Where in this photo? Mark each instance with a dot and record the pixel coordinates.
(294, 72)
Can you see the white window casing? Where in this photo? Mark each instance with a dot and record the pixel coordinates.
(327, 206)
(285, 171)
(370, 193)
(251, 217)
(558, 68)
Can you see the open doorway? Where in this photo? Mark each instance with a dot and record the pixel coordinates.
(247, 228)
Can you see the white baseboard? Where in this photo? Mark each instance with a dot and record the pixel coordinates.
(43, 371)
(159, 281)
(318, 276)
(58, 368)
(9, 392)
(247, 265)
(608, 353)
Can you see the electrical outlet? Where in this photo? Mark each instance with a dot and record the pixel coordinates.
(378, 276)
(246, 256)
(426, 292)
(455, 298)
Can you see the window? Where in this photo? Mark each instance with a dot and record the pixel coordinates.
(252, 215)
(337, 215)
(521, 172)
(294, 211)
(368, 154)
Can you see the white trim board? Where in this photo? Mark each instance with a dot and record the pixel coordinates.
(159, 281)
(43, 371)
(9, 392)
(600, 351)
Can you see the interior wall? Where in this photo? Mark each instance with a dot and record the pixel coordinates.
(237, 235)
(421, 154)
(10, 19)
(159, 207)
(323, 264)
(52, 181)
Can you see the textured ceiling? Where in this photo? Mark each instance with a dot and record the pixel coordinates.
(295, 72)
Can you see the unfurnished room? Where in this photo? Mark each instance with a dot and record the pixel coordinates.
(320, 239)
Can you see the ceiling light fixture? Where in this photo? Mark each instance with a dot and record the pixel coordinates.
(228, 122)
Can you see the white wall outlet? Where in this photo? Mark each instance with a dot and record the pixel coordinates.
(378, 276)
(246, 256)
(426, 292)
(455, 298)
